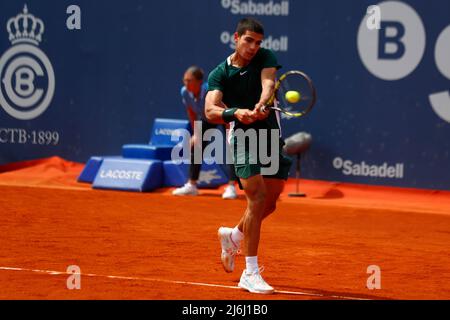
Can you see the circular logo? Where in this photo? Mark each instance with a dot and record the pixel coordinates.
(27, 82)
(442, 52)
(338, 163)
(226, 3)
(396, 49)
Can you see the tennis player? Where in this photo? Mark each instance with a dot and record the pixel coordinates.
(238, 89)
(193, 96)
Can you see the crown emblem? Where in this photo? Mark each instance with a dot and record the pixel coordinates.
(25, 28)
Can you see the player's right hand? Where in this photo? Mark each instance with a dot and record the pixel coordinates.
(245, 116)
(261, 111)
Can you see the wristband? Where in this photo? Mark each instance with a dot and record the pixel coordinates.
(228, 115)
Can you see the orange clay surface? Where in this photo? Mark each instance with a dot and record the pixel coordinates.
(164, 247)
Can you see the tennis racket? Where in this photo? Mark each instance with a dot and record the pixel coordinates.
(295, 94)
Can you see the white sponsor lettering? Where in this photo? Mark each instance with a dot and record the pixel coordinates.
(121, 174)
(165, 132)
(277, 44)
(365, 170)
(270, 8)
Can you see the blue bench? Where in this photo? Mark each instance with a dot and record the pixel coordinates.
(129, 175)
(145, 167)
(161, 141)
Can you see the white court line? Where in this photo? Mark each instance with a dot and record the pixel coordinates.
(61, 187)
(51, 272)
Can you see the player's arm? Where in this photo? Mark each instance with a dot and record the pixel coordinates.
(214, 107)
(217, 112)
(268, 78)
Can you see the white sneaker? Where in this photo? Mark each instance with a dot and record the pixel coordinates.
(254, 283)
(186, 190)
(229, 193)
(229, 248)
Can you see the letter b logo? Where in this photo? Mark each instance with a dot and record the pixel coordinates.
(384, 40)
(396, 49)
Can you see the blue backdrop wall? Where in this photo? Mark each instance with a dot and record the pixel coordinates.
(383, 114)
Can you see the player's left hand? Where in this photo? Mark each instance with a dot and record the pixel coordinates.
(260, 111)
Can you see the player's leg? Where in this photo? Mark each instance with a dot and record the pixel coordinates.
(274, 188)
(255, 191)
(275, 184)
(230, 238)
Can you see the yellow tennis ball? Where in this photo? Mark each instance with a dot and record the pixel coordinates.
(292, 96)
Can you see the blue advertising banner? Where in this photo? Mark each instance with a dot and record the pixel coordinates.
(82, 78)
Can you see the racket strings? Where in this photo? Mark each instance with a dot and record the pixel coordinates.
(295, 94)
(294, 83)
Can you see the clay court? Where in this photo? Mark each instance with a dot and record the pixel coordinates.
(157, 246)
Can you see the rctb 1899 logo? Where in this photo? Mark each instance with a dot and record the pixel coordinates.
(27, 77)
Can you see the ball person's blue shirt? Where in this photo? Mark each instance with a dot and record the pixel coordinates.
(197, 105)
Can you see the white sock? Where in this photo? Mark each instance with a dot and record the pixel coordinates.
(237, 236)
(251, 264)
